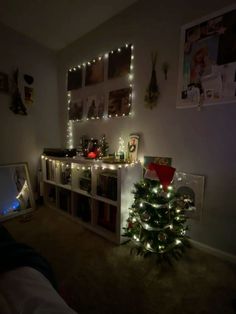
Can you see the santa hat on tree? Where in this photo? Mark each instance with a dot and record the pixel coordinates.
(162, 173)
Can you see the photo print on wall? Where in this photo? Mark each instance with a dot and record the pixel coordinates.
(74, 79)
(94, 72)
(76, 109)
(113, 97)
(208, 61)
(119, 102)
(119, 62)
(91, 105)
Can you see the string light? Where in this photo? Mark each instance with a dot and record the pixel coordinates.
(94, 60)
(69, 135)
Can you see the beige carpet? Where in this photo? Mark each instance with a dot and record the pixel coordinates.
(99, 277)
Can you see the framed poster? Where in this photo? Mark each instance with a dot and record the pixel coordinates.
(207, 66)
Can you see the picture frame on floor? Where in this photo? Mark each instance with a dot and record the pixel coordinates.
(16, 196)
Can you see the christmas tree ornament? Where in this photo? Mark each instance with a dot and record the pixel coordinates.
(145, 216)
(162, 236)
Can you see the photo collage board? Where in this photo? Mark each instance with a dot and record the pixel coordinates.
(207, 69)
(102, 87)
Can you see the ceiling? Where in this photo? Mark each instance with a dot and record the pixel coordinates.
(57, 23)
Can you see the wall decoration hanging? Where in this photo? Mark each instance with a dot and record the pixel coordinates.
(207, 64)
(28, 89)
(191, 188)
(152, 91)
(4, 84)
(17, 105)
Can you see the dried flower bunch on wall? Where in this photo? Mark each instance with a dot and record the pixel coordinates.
(152, 91)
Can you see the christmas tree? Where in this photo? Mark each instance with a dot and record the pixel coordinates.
(104, 147)
(156, 222)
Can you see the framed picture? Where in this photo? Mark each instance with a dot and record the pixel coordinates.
(4, 84)
(76, 109)
(207, 66)
(74, 79)
(119, 102)
(94, 72)
(191, 186)
(119, 62)
(16, 197)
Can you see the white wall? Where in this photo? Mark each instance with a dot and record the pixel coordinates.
(199, 142)
(23, 138)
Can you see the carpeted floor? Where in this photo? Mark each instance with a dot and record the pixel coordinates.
(100, 277)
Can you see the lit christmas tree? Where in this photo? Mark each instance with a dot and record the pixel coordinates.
(104, 147)
(156, 222)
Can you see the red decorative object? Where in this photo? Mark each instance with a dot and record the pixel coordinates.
(92, 155)
(164, 173)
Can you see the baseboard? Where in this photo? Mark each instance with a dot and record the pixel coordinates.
(216, 252)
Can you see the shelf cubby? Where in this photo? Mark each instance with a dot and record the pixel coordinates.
(92, 193)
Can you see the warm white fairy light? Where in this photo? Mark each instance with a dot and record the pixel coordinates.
(69, 135)
(177, 241)
(136, 238)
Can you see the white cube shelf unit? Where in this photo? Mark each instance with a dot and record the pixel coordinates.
(96, 194)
